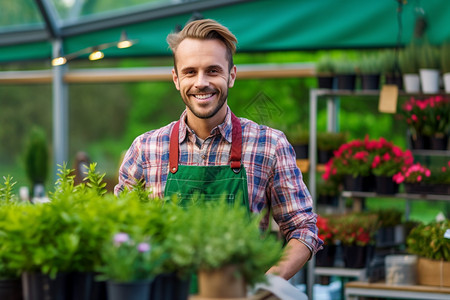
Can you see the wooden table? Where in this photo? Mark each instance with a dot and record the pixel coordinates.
(355, 289)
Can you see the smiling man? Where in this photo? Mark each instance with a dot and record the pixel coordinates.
(212, 152)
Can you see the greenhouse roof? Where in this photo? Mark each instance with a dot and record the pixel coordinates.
(29, 28)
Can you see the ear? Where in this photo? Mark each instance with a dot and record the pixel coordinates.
(232, 77)
(175, 79)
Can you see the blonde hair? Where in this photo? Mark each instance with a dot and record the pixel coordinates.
(205, 29)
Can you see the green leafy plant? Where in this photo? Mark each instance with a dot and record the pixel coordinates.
(325, 65)
(345, 66)
(445, 57)
(329, 141)
(389, 217)
(327, 230)
(36, 156)
(297, 135)
(429, 56)
(428, 241)
(408, 59)
(6, 191)
(370, 63)
(220, 234)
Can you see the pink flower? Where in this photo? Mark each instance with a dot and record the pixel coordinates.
(419, 178)
(121, 238)
(414, 118)
(143, 247)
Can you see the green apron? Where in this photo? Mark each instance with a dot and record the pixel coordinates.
(209, 182)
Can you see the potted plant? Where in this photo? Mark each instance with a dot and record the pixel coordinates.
(327, 233)
(356, 232)
(10, 283)
(327, 191)
(298, 136)
(445, 65)
(345, 74)
(229, 250)
(388, 160)
(129, 264)
(327, 143)
(391, 68)
(431, 244)
(429, 121)
(412, 178)
(429, 68)
(370, 71)
(391, 231)
(414, 112)
(36, 161)
(352, 162)
(325, 72)
(408, 59)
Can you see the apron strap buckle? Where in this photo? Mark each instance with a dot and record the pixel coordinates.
(236, 166)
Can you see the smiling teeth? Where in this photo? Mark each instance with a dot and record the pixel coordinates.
(203, 96)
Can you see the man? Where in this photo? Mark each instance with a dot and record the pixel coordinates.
(210, 151)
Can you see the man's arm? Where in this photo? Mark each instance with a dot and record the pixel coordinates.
(296, 254)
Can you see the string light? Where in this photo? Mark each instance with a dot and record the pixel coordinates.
(95, 53)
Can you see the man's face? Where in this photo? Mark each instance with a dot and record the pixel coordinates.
(202, 76)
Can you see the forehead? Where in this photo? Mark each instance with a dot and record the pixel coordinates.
(197, 53)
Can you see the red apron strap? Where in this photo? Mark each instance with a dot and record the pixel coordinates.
(173, 150)
(236, 143)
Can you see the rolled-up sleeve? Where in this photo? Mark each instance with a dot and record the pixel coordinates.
(291, 201)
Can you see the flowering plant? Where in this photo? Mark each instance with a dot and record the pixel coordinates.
(428, 116)
(356, 228)
(327, 230)
(365, 157)
(412, 174)
(352, 158)
(389, 159)
(125, 260)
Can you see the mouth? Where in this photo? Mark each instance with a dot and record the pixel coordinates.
(203, 97)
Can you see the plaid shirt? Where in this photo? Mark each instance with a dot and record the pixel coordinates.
(274, 180)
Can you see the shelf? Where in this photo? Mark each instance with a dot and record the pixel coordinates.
(328, 92)
(431, 152)
(342, 272)
(350, 194)
(355, 289)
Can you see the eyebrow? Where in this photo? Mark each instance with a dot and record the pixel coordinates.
(187, 69)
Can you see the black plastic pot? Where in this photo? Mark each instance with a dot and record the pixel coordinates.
(169, 287)
(301, 151)
(385, 185)
(370, 81)
(346, 82)
(38, 286)
(128, 290)
(325, 81)
(11, 289)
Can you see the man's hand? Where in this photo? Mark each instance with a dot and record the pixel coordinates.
(296, 254)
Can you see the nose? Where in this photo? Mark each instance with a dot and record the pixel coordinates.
(202, 80)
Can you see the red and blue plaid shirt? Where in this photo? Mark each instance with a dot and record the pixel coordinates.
(274, 181)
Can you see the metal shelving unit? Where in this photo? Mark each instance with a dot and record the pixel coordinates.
(333, 100)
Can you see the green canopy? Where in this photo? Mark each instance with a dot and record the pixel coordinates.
(264, 25)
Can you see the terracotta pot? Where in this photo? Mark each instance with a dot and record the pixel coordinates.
(433, 272)
(221, 283)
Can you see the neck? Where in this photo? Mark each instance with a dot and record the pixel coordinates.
(203, 127)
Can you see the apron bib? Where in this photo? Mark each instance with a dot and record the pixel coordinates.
(211, 183)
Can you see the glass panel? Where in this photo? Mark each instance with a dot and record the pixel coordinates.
(72, 10)
(19, 13)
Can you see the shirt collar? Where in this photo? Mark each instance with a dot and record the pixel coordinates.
(225, 128)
